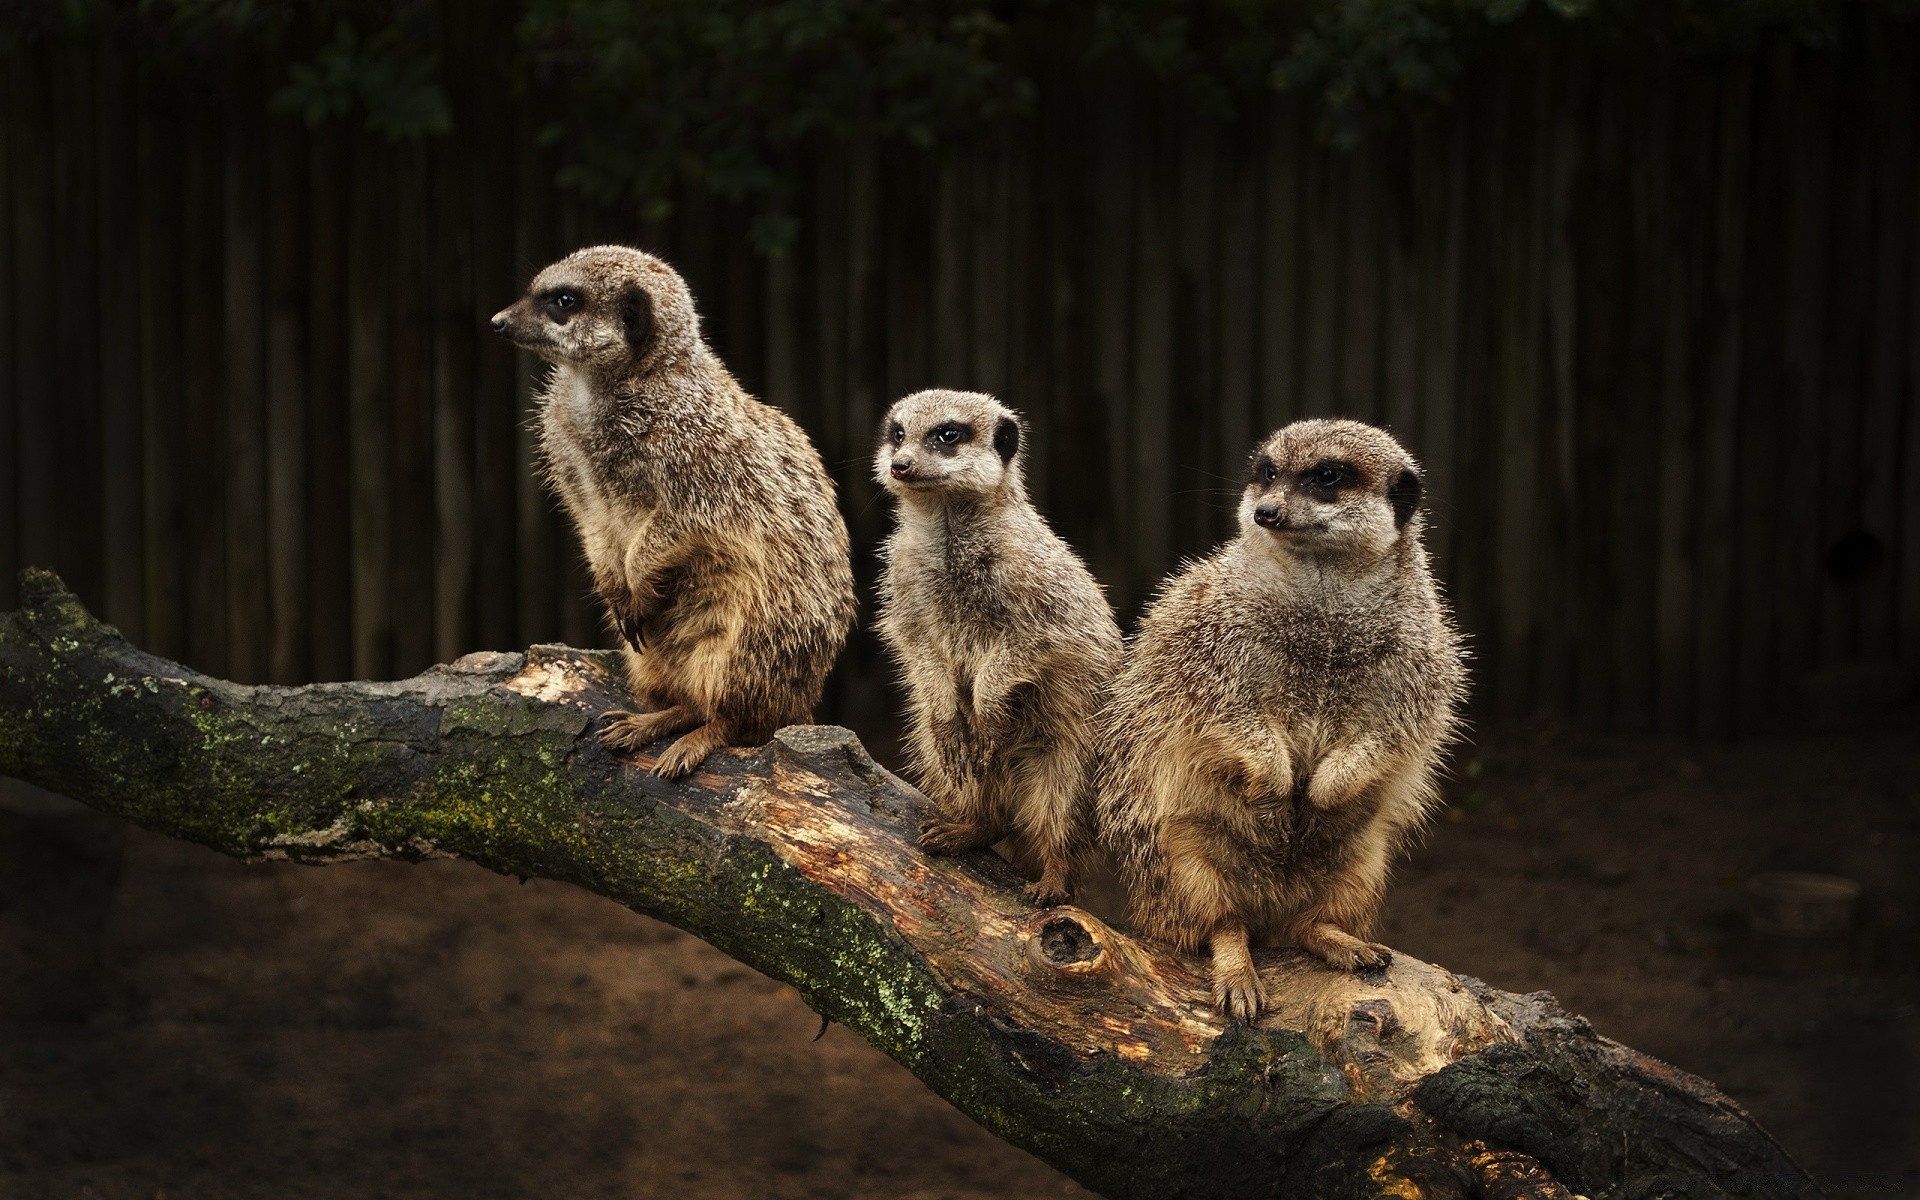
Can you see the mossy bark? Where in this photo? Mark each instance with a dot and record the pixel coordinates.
(1098, 1052)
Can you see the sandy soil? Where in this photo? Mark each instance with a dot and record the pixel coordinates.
(176, 1025)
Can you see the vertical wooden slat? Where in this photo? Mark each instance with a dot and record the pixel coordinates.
(1714, 615)
(1150, 472)
(1645, 110)
(499, 277)
(412, 449)
(1280, 255)
(1112, 250)
(860, 402)
(1570, 681)
(76, 323)
(1678, 427)
(456, 326)
(245, 381)
(1442, 198)
(1800, 549)
(1400, 329)
(204, 459)
(9, 393)
(540, 541)
(329, 496)
(1322, 228)
(118, 343)
(1199, 478)
(1516, 381)
(1908, 551)
(950, 349)
(1357, 362)
(35, 473)
(1760, 499)
(1889, 85)
(162, 369)
(1850, 287)
(988, 217)
(289, 657)
(1236, 265)
(370, 408)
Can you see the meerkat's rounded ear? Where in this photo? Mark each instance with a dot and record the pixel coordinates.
(1404, 495)
(636, 315)
(1006, 439)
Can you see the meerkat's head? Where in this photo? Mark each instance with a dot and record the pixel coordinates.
(604, 308)
(946, 444)
(1331, 488)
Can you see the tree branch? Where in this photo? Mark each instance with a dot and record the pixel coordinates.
(1098, 1052)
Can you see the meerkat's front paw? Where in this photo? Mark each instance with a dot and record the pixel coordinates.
(1341, 950)
(938, 835)
(628, 731)
(1046, 892)
(685, 756)
(1236, 990)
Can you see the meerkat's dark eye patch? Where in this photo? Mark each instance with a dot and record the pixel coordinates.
(1323, 479)
(897, 433)
(1006, 439)
(1404, 495)
(1264, 472)
(949, 434)
(560, 303)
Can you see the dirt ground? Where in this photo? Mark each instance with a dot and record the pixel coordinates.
(175, 1025)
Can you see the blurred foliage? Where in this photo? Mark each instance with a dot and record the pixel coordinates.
(646, 100)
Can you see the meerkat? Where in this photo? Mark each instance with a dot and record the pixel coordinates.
(707, 519)
(1273, 738)
(1005, 644)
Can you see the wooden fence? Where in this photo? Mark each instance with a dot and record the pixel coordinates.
(1651, 329)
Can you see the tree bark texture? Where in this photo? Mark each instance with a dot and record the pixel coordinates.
(1097, 1051)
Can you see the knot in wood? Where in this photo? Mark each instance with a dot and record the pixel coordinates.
(1066, 942)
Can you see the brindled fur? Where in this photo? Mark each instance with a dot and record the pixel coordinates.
(1273, 738)
(1006, 645)
(707, 518)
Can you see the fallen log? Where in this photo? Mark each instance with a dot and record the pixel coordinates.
(1096, 1051)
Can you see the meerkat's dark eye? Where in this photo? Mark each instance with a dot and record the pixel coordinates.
(951, 434)
(897, 434)
(1265, 471)
(564, 299)
(1327, 475)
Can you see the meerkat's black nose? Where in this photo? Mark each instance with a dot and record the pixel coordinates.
(499, 322)
(901, 467)
(1267, 516)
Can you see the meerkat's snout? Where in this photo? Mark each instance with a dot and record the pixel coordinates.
(1270, 516)
(901, 466)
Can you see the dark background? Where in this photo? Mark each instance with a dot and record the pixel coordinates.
(1643, 296)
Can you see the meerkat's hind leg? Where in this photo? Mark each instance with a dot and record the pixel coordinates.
(1050, 816)
(1236, 985)
(631, 730)
(1350, 901)
(685, 756)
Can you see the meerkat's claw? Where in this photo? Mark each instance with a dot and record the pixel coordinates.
(685, 756)
(938, 835)
(1236, 991)
(1046, 893)
(630, 731)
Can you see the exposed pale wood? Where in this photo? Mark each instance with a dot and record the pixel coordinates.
(1097, 1051)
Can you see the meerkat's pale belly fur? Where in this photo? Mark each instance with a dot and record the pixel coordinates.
(1221, 726)
(1007, 648)
(716, 507)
